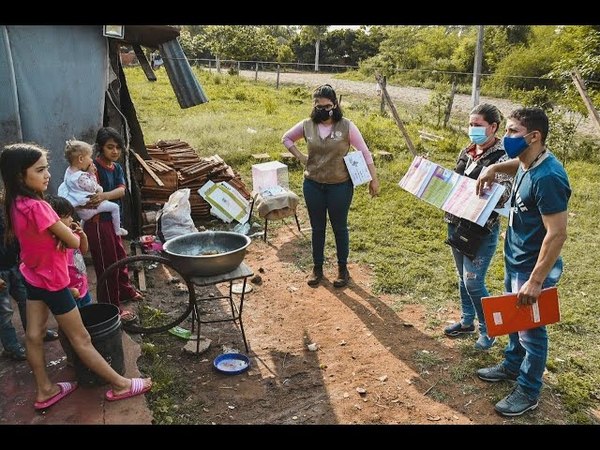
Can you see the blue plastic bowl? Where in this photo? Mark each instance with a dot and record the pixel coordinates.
(231, 363)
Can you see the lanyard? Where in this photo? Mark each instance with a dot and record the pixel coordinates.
(513, 197)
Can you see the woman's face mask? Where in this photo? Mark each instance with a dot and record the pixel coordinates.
(477, 135)
(322, 114)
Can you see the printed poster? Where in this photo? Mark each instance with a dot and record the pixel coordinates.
(450, 191)
(357, 168)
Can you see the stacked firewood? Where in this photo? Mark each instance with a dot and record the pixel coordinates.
(178, 166)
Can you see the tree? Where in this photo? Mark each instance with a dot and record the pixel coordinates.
(313, 33)
(192, 44)
(239, 42)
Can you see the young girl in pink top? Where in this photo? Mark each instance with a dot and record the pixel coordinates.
(43, 238)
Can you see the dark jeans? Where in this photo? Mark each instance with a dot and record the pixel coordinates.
(16, 289)
(333, 199)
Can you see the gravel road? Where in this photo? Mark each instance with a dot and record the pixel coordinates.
(407, 96)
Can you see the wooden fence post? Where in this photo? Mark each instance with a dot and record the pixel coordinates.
(399, 122)
(380, 89)
(586, 99)
(449, 105)
(277, 83)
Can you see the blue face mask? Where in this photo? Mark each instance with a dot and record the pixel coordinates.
(514, 146)
(477, 135)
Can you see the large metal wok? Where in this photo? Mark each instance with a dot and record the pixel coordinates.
(207, 253)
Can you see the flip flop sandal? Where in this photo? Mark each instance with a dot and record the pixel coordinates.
(138, 297)
(127, 316)
(51, 335)
(137, 388)
(66, 387)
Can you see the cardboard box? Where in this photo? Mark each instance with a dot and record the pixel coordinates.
(269, 174)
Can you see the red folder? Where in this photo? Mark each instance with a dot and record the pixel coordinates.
(503, 314)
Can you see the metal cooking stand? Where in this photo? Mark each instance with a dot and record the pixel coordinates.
(242, 272)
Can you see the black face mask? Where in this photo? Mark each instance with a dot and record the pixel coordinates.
(322, 115)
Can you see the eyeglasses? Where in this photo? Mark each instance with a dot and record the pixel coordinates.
(324, 107)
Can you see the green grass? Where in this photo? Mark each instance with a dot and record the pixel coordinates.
(397, 235)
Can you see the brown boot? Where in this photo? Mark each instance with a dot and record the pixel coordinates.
(343, 276)
(317, 276)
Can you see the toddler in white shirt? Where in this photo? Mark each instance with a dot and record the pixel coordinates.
(80, 184)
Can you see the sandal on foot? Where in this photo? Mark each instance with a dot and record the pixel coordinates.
(51, 335)
(138, 297)
(66, 387)
(127, 316)
(137, 388)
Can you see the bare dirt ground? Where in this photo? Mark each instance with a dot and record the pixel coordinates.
(377, 361)
(405, 95)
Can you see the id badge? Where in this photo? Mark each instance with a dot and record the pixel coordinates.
(470, 168)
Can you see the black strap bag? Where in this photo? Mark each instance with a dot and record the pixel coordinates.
(467, 237)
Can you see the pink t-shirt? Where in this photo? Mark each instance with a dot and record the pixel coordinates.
(42, 264)
(77, 271)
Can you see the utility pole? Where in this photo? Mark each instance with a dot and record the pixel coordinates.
(477, 67)
(317, 48)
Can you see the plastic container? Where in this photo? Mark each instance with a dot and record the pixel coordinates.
(103, 322)
(231, 363)
(269, 174)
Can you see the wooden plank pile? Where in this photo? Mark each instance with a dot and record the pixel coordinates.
(178, 166)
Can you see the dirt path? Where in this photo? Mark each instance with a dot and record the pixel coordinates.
(377, 360)
(408, 96)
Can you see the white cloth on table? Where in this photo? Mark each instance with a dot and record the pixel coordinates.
(277, 206)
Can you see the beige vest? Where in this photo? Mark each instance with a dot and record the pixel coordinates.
(326, 156)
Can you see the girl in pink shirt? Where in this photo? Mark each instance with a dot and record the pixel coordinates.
(43, 238)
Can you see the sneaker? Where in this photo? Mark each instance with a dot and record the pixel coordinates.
(484, 342)
(16, 354)
(122, 232)
(515, 403)
(496, 373)
(456, 329)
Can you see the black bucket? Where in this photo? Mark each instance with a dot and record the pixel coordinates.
(103, 322)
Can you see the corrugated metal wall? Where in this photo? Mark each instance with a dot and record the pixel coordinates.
(52, 85)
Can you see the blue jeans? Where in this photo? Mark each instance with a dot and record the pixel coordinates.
(527, 351)
(14, 288)
(471, 277)
(333, 199)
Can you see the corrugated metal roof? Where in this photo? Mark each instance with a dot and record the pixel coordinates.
(149, 35)
(186, 86)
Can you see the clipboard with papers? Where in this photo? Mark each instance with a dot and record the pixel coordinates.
(503, 314)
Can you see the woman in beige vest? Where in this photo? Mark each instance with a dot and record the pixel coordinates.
(327, 187)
